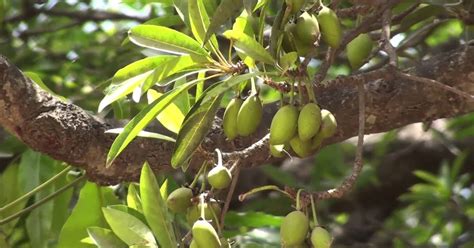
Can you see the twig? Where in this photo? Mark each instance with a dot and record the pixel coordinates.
(389, 49)
(230, 193)
(249, 151)
(349, 181)
(435, 84)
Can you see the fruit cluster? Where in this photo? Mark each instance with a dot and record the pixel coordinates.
(203, 215)
(294, 231)
(303, 130)
(242, 117)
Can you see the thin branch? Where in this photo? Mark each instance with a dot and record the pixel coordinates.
(230, 193)
(436, 84)
(389, 49)
(349, 181)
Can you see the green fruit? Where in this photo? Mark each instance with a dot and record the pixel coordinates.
(194, 212)
(330, 27)
(294, 228)
(277, 150)
(296, 5)
(205, 235)
(193, 244)
(230, 118)
(328, 125)
(283, 126)
(219, 177)
(317, 141)
(309, 121)
(320, 238)
(358, 50)
(179, 200)
(301, 148)
(249, 116)
(307, 29)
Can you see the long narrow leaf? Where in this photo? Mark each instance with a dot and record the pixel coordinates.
(155, 210)
(248, 45)
(130, 77)
(196, 126)
(141, 120)
(225, 11)
(165, 39)
(104, 238)
(129, 228)
(199, 21)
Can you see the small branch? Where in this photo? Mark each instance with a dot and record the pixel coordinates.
(349, 181)
(389, 49)
(436, 84)
(250, 151)
(231, 192)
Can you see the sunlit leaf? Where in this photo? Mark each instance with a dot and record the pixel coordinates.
(199, 21)
(155, 210)
(167, 21)
(131, 77)
(197, 124)
(105, 238)
(249, 46)
(144, 134)
(171, 117)
(252, 219)
(128, 228)
(166, 40)
(133, 198)
(225, 11)
(141, 120)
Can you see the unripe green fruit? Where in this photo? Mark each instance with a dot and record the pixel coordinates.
(205, 235)
(194, 212)
(330, 27)
(301, 148)
(358, 50)
(307, 29)
(219, 177)
(317, 141)
(320, 238)
(328, 125)
(309, 121)
(193, 244)
(230, 118)
(296, 5)
(284, 124)
(179, 200)
(294, 228)
(249, 116)
(277, 150)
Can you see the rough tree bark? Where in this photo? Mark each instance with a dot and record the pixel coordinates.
(66, 132)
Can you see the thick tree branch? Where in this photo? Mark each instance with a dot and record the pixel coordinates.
(68, 133)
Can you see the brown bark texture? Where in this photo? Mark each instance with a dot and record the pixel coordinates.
(68, 133)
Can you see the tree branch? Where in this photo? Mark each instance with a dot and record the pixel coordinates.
(68, 133)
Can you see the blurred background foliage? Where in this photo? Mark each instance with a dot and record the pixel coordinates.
(416, 189)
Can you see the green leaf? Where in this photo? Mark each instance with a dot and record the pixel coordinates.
(129, 210)
(259, 4)
(133, 128)
(221, 87)
(105, 238)
(37, 79)
(288, 60)
(10, 190)
(248, 45)
(196, 125)
(131, 77)
(166, 40)
(133, 198)
(199, 21)
(86, 213)
(144, 134)
(225, 11)
(167, 21)
(251, 219)
(171, 117)
(128, 228)
(155, 210)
